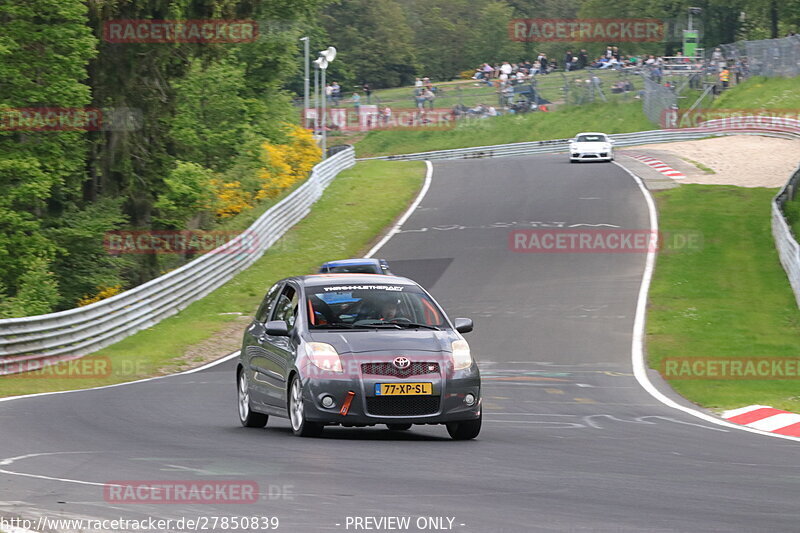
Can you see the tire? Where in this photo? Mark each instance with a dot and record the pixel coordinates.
(398, 427)
(300, 426)
(466, 430)
(247, 417)
(571, 160)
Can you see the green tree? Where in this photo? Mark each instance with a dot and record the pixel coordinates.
(489, 40)
(44, 49)
(373, 37)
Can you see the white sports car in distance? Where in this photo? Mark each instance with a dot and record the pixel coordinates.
(591, 146)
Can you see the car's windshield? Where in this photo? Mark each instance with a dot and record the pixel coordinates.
(591, 138)
(370, 305)
(364, 268)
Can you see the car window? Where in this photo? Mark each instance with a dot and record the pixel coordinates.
(363, 304)
(591, 138)
(353, 269)
(267, 304)
(286, 306)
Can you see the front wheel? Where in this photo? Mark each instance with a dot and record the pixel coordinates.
(248, 417)
(466, 430)
(297, 412)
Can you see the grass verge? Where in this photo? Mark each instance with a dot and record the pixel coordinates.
(759, 92)
(609, 117)
(355, 208)
(729, 300)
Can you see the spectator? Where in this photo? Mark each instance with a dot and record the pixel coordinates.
(725, 77)
(419, 98)
(329, 94)
(583, 59)
(336, 93)
(418, 83)
(387, 114)
(508, 95)
(357, 103)
(367, 92)
(506, 69)
(428, 96)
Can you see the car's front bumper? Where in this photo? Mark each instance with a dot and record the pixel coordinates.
(446, 404)
(591, 156)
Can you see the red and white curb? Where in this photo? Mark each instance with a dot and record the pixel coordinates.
(658, 165)
(765, 418)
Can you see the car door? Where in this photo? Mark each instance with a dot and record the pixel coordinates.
(280, 350)
(254, 353)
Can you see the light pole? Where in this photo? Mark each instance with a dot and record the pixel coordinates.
(317, 66)
(325, 57)
(305, 83)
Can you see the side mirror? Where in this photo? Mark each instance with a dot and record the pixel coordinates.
(277, 328)
(463, 325)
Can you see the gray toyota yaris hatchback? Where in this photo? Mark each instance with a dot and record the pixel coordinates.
(357, 350)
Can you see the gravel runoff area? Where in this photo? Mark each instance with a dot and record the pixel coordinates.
(743, 160)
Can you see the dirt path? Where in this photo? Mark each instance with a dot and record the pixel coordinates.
(743, 160)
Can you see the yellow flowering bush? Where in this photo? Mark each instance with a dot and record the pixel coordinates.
(286, 164)
(102, 294)
(280, 167)
(231, 198)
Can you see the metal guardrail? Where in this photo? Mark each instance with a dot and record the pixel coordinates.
(76, 332)
(785, 241)
(776, 126)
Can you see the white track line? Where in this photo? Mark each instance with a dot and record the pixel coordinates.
(396, 228)
(637, 344)
(191, 371)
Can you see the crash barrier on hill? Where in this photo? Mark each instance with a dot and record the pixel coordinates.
(778, 125)
(40, 340)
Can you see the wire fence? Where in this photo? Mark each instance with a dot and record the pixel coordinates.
(769, 57)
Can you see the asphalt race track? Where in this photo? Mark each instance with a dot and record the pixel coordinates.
(570, 441)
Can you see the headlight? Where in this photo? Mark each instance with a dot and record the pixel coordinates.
(461, 356)
(324, 356)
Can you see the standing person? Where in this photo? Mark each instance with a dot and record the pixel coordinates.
(329, 93)
(367, 92)
(544, 63)
(336, 92)
(387, 115)
(568, 61)
(583, 59)
(357, 103)
(725, 77)
(418, 83)
(428, 96)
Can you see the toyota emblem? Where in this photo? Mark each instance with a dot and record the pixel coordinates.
(402, 363)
